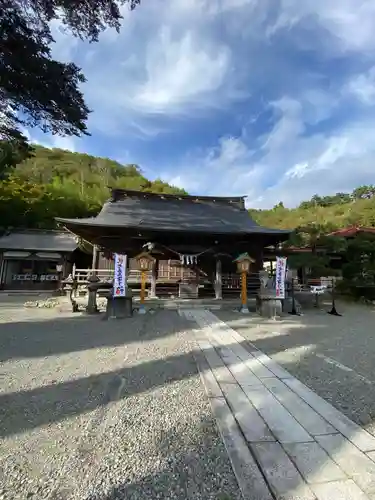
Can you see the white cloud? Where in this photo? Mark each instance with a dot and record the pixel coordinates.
(50, 141)
(319, 164)
(363, 87)
(65, 44)
(177, 63)
(351, 22)
(180, 73)
(290, 166)
(166, 62)
(225, 169)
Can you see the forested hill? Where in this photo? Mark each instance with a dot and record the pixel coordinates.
(53, 183)
(324, 213)
(57, 183)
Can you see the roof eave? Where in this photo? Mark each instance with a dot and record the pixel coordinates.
(93, 224)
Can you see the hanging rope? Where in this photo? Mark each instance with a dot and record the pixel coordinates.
(187, 259)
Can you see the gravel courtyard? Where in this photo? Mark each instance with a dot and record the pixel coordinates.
(100, 410)
(334, 356)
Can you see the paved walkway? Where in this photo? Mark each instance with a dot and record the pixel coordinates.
(284, 441)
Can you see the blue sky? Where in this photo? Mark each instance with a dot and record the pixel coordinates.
(273, 99)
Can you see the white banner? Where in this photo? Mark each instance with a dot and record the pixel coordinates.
(119, 282)
(280, 277)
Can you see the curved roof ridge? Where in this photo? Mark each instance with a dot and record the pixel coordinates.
(118, 193)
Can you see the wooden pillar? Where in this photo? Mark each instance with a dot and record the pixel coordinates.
(142, 309)
(218, 281)
(153, 279)
(244, 308)
(95, 255)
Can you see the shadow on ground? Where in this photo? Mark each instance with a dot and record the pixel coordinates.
(331, 355)
(21, 411)
(52, 336)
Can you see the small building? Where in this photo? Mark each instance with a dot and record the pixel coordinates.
(352, 231)
(200, 235)
(35, 259)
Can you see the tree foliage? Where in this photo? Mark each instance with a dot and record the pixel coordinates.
(53, 183)
(323, 213)
(314, 219)
(36, 90)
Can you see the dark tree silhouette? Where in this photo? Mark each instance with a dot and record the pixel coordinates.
(36, 90)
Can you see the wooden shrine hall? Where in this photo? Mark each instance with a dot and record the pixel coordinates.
(199, 236)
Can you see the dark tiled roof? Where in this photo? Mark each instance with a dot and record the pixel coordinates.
(46, 241)
(130, 209)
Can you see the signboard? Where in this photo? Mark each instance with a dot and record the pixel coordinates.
(119, 282)
(35, 277)
(318, 290)
(280, 277)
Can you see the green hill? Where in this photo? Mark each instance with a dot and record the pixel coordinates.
(49, 183)
(326, 213)
(54, 182)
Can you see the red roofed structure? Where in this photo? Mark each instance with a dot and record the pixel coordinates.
(352, 231)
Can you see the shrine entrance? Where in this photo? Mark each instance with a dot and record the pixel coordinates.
(193, 240)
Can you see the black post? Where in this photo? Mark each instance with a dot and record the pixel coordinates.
(294, 310)
(333, 311)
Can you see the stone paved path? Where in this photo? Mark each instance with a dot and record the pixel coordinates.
(284, 441)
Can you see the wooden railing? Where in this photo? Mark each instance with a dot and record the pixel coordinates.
(165, 274)
(82, 275)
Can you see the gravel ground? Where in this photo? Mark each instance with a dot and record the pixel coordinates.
(335, 356)
(100, 410)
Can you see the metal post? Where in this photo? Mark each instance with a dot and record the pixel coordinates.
(142, 308)
(153, 280)
(94, 263)
(244, 308)
(333, 311)
(218, 281)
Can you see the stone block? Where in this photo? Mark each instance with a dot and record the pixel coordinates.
(339, 490)
(279, 420)
(119, 307)
(248, 475)
(301, 411)
(314, 463)
(270, 308)
(352, 461)
(358, 436)
(252, 425)
(285, 480)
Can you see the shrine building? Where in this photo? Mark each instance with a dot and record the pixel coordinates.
(194, 239)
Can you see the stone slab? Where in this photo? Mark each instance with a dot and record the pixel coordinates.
(358, 436)
(220, 371)
(252, 425)
(314, 463)
(276, 369)
(237, 367)
(282, 424)
(283, 477)
(339, 490)
(249, 477)
(252, 363)
(207, 377)
(301, 411)
(356, 464)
